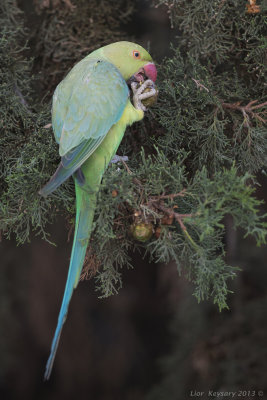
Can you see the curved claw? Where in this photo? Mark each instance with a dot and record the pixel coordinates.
(138, 94)
(146, 95)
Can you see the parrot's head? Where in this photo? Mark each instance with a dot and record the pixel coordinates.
(132, 60)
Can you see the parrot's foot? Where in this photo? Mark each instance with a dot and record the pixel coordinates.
(117, 158)
(138, 94)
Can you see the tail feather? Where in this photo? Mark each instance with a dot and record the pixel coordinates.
(60, 176)
(85, 207)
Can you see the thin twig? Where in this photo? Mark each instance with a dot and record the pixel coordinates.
(200, 85)
(126, 167)
(258, 105)
(179, 218)
(168, 196)
(247, 109)
(90, 266)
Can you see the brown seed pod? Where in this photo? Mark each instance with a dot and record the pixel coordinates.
(157, 232)
(167, 220)
(150, 101)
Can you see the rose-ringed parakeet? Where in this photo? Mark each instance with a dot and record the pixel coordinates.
(90, 112)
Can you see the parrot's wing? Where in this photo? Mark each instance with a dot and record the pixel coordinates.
(86, 104)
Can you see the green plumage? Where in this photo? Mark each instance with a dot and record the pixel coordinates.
(90, 112)
(83, 108)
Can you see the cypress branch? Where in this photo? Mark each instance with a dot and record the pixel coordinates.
(192, 161)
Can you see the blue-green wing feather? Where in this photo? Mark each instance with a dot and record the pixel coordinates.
(86, 104)
(70, 163)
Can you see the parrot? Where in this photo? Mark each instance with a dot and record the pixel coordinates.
(91, 108)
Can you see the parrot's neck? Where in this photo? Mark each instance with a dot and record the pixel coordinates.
(97, 54)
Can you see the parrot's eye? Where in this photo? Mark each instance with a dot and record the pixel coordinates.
(136, 54)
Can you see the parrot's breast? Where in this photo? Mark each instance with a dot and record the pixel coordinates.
(97, 163)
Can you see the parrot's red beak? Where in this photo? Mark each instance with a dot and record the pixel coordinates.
(151, 71)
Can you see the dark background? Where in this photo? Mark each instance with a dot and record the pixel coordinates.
(152, 340)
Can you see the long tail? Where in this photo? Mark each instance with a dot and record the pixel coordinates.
(60, 176)
(85, 207)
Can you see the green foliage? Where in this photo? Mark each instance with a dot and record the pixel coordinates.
(193, 160)
(200, 113)
(218, 32)
(194, 240)
(213, 89)
(27, 149)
